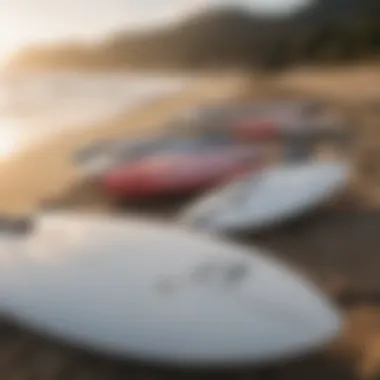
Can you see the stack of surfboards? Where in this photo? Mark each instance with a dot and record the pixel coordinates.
(176, 294)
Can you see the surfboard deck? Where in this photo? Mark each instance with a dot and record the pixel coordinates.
(157, 292)
(264, 200)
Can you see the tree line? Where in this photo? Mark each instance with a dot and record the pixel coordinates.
(328, 31)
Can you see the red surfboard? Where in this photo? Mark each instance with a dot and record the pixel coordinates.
(256, 130)
(175, 174)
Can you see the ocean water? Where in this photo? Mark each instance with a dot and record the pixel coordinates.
(35, 106)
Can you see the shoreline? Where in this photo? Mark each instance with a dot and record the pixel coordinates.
(44, 171)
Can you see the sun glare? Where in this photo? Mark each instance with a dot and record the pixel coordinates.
(9, 141)
(9, 44)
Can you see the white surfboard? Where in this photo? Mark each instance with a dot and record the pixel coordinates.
(157, 292)
(266, 199)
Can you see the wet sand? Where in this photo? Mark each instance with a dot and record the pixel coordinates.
(339, 246)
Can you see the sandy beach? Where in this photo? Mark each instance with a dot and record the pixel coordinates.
(338, 246)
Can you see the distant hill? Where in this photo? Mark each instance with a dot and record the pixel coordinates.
(326, 31)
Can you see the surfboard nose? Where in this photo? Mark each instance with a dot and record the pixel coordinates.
(315, 320)
(329, 323)
(295, 316)
(321, 322)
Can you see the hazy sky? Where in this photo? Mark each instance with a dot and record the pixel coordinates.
(24, 22)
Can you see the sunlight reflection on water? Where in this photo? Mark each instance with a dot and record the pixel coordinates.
(34, 107)
(10, 141)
